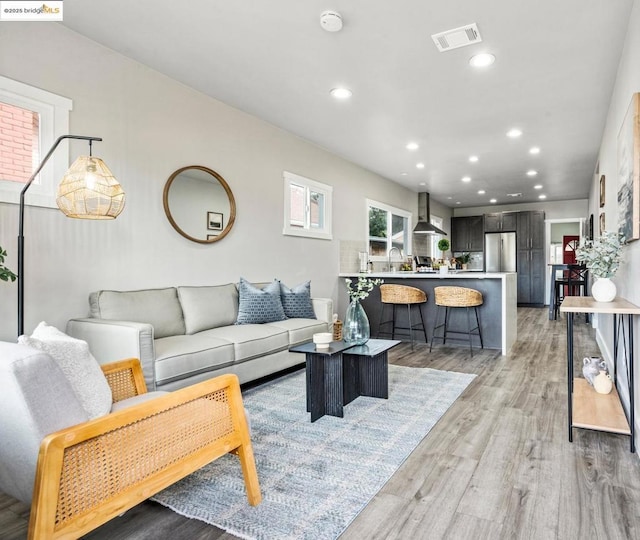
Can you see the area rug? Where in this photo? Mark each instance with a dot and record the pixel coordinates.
(316, 477)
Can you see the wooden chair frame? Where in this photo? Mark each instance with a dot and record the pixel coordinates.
(89, 473)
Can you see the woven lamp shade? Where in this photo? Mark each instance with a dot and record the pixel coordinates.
(90, 191)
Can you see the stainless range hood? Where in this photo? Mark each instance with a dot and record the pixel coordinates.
(424, 225)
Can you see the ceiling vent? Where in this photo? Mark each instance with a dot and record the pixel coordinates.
(514, 195)
(458, 37)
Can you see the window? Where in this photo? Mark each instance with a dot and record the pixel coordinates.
(387, 227)
(435, 238)
(307, 207)
(30, 121)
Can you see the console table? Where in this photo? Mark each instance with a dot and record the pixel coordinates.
(586, 408)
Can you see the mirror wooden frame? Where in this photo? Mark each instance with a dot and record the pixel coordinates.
(223, 183)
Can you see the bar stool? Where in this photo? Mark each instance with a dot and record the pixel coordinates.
(456, 297)
(397, 295)
(573, 282)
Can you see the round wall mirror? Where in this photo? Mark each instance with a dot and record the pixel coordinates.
(199, 204)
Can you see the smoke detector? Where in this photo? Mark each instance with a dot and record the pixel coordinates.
(331, 21)
(458, 37)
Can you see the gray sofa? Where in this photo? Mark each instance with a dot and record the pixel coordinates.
(183, 335)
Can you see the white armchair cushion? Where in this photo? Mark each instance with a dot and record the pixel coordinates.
(78, 365)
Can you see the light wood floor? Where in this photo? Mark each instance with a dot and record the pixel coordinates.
(498, 465)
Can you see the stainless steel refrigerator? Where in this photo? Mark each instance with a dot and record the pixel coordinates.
(500, 252)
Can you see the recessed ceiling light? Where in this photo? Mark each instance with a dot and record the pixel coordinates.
(423, 183)
(457, 202)
(537, 186)
(481, 192)
(412, 146)
(482, 60)
(542, 196)
(449, 198)
(466, 179)
(404, 173)
(514, 133)
(534, 150)
(341, 93)
(420, 165)
(493, 200)
(532, 173)
(473, 159)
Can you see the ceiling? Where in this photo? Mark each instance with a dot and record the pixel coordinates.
(553, 76)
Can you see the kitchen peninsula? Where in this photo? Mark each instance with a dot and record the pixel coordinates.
(498, 314)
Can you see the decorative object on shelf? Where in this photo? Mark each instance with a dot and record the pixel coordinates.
(356, 329)
(603, 383)
(322, 339)
(444, 245)
(602, 257)
(88, 190)
(5, 273)
(629, 171)
(591, 367)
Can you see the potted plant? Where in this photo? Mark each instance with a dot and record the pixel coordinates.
(464, 260)
(444, 245)
(602, 258)
(356, 329)
(5, 273)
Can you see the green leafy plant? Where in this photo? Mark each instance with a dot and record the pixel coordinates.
(362, 288)
(464, 258)
(444, 245)
(5, 273)
(602, 256)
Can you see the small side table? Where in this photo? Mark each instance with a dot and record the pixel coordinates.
(336, 375)
(587, 409)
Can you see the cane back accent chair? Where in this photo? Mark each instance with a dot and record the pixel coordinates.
(97, 469)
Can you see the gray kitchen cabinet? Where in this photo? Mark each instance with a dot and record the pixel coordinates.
(530, 257)
(501, 222)
(467, 233)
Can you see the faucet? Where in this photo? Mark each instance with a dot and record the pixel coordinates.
(389, 255)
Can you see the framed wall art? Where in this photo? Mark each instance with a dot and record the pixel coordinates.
(601, 228)
(214, 221)
(629, 172)
(602, 190)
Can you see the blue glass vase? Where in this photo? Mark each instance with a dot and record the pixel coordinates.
(356, 329)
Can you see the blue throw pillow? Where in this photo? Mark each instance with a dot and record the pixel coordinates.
(257, 306)
(297, 301)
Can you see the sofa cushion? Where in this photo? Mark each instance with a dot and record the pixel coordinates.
(300, 330)
(296, 302)
(78, 365)
(252, 340)
(208, 307)
(257, 306)
(158, 307)
(179, 357)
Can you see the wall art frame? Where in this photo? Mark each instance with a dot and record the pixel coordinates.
(629, 172)
(603, 186)
(215, 221)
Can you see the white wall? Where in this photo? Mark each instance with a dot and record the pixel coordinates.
(627, 83)
(576, 208)
(151, 126)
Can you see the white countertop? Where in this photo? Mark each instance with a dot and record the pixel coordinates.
(452, 274)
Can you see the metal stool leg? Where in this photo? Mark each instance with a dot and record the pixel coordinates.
(469, 332)
(410, 325)
(435, 324)
(393, 328)
(479, 328)
(424, 328)
(446, 325)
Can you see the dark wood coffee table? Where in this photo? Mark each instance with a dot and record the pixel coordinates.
(336, 375)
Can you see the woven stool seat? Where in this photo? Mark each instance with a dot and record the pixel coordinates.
(457, 297)
(396, 295)
(401, 294)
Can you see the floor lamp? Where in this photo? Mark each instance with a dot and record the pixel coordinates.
(88, 190)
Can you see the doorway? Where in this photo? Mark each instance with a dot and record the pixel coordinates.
(556, 230)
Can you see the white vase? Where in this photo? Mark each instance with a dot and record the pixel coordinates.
(603, 383)
(603, 290)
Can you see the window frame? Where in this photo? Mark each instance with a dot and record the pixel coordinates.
(54, 122)
(391, 210)
(435, 238)
(324, 233)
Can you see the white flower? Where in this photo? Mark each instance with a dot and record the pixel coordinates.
(602, 256)
(362, 288)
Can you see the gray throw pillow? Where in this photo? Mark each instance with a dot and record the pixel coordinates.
(78, 365)
(297, 301)
(257, 306)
